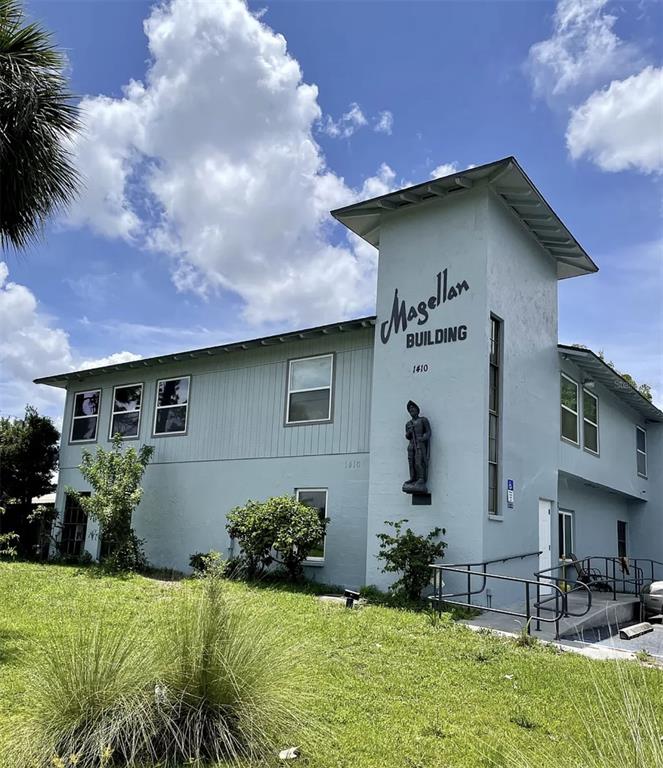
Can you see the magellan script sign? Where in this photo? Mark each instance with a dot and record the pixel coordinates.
(402, 316)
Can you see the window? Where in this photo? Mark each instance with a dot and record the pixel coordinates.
(622, 547)
(316, 498)
(310, 389)
(565, 527)
(170, 413)
(641, 451)
(494, 386)
(85, 416)
(569, 416)
(590, 421)
(125, 418)
(74, 528)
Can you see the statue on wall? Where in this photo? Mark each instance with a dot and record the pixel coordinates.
(417, 433)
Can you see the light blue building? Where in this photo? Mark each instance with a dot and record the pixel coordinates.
(535, 446)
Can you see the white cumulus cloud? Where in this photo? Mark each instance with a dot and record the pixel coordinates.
(31, 346)
(384, 123)
(621, 127)
(212, 162)
(445, 169)
(115, 359)
(582, 52)
(347, 124)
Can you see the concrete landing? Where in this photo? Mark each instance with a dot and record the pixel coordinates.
(605, 612)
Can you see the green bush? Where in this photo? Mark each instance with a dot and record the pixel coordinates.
(410, 555)
(281, 530)
(213, 683)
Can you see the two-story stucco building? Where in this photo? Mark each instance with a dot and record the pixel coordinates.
(535, 445)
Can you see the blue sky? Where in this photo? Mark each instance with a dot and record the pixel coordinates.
(208, 180)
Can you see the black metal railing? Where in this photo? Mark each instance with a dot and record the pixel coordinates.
(474, 571)
(611, 574)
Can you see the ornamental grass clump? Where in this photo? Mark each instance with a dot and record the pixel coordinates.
(85, 699)
(229, 690)
(212, 683)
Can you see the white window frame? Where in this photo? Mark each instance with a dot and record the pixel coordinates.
(158, 407)
(563, 513)
(324, 540)
(637, 451)
(115, 413)
(596, 452)
(566, 408)
(290, 391)
(74, 417)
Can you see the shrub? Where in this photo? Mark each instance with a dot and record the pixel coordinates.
(411, 555)
(279, 526)
(253, 530)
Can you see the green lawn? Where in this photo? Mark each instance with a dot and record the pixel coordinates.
(388, 687)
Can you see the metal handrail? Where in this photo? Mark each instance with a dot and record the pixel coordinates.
(442, 598)
(497, 560)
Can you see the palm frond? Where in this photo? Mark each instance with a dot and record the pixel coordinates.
(37, 117)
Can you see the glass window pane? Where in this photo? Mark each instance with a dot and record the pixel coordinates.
(173, 392)
(568, 536)
(171, 420)
(126, 424)
(316, 499)
(642, 464)
(569, 425)
(86, 404)
(589, 407)
(309, 406)
(569, 394)
(591, 437)
(84, 428)
(128, 398)
(560, 535)
(641, 440)
(308, 374)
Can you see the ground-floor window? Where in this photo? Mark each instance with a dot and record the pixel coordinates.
(316, 498)
(622, 541)
(565, 527)
(74, 528)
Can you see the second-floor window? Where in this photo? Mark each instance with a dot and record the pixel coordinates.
(172, 406)
(310, 389)
(85, 416)
(590, 421)
(125, 418)
(569, 409)
(641, 451)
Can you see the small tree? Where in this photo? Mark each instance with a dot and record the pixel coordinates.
(28, 458)
(115, 476)
(281, 525)
(411, 555)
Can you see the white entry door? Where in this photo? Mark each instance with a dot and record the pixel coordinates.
(545, 524)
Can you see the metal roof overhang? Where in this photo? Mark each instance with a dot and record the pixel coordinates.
(63, 379)
(598, 370)
(510, 185)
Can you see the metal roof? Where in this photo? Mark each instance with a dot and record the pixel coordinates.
(598, 370)
(62, 379)
(507, 181)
